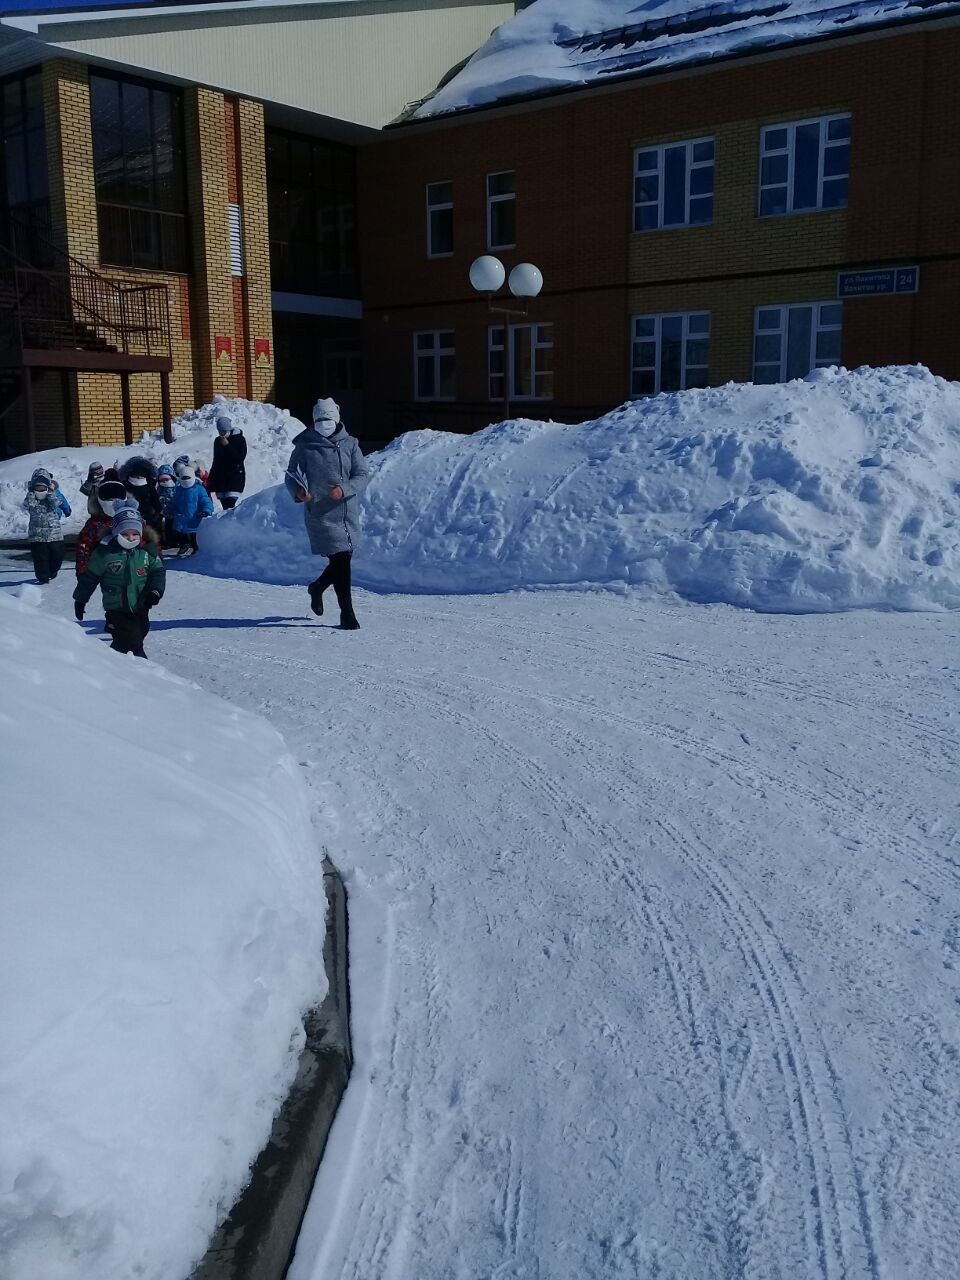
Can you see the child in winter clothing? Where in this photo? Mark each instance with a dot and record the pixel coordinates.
(140, 476)
(166, 487)
(109, 496)
(228, 477)
(131, 578)
(189, 505)
(95, 475)
(46, 506)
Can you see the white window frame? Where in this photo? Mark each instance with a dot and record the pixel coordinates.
(537, 344)
(235, 228)
(689, 165)
(438, 208)
(790, 150)
(699, 335)
(817, 326)
(434, 354)
(500, 199)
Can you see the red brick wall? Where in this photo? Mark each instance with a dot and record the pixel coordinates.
(573, 161)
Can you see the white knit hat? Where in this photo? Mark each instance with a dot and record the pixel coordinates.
(326, 411)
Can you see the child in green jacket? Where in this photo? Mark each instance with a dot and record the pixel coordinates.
(131, 577)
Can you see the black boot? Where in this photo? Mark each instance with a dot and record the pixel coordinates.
(317, 588)
(340, 567)
(316, 597)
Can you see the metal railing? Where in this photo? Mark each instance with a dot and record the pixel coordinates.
(72, 306)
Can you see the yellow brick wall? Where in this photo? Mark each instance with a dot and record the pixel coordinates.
(73, 197)
(252, 182)
(737, 240)
(200, 307)
(96, 396)
(208, 182)
(731, 306)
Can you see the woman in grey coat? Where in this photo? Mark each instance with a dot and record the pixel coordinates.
(327, 473)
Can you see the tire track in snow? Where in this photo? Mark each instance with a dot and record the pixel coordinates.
(827, 1225)
(603, 835)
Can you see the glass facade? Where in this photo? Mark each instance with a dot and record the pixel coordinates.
(311, 191)
(24, 193)
(138, 145)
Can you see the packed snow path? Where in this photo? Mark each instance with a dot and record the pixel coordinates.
(655, 928)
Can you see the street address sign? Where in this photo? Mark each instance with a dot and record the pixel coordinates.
(868, 284)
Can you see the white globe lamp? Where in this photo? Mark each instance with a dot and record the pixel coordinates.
(526, 280)
(487, 274)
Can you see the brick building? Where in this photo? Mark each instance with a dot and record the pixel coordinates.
(258, 176)
(178, 202)
(707, 224)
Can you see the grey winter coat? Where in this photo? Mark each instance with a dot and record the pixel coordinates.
(325, 461)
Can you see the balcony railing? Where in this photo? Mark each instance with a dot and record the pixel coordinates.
(70, 306)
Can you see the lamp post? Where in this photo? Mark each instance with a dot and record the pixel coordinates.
(487, 275)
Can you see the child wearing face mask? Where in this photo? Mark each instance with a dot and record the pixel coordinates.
(189, 505)
(46, 506)
(110, 495)
(166, 487)
(131, 578)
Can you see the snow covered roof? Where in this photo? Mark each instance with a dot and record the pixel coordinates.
(567, 44)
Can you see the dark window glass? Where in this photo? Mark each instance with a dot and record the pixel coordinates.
(311, 193)
(806, 165)
(24, 196)
(674, 186)
(139, 172)
(439, 218)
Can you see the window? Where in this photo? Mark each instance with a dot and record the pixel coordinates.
(532, 352)
(501, 210)
(804, 165)
(312, 216)
(342, 364)
(673, 185)
(24, 198)
(669, 353)
(435, 375)
(790, 341)
(439, 219)
(139, 173)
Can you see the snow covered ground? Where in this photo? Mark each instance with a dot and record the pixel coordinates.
(269, 432)
(161, 928)
(655, 927)
(839, 491)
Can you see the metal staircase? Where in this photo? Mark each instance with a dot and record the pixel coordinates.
(65, 316)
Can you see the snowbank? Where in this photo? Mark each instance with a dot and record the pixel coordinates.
(836, 492)
(161, 926)
(269, 433)
(557, 44)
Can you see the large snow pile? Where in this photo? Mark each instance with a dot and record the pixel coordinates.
(835, 492)
(269, 432)
(556, 44)
(161, 926)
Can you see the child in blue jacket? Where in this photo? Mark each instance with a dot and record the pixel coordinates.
(189, 505)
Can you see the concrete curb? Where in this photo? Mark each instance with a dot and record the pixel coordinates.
(257, 1240)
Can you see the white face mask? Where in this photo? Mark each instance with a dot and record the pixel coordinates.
(188, 481)
(129, 541)
(40, 493)
(138, 480)
(326, 427)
